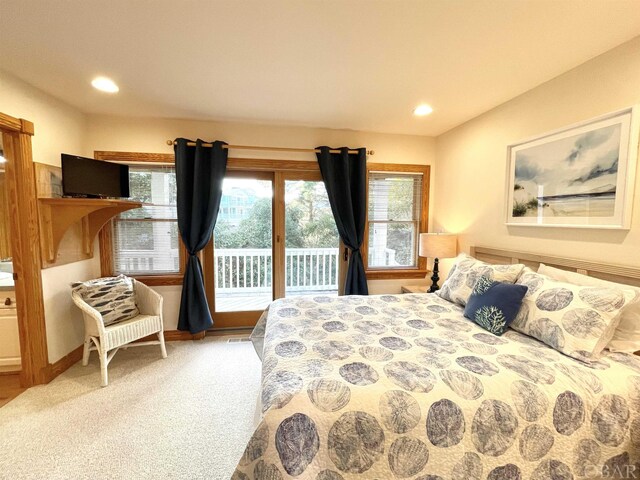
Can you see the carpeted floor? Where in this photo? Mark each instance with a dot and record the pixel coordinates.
(186, 417)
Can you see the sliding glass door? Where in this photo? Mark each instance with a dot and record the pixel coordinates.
(275, 237)
(311, 240)
(243, 245)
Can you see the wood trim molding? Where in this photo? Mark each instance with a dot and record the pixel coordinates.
(391, 274)
(278, 250)
(25, 234)
(174, 336)
(259, 164)
(180, 336)
(12, 124)
(160, 280)
(105, 239)
(64, 363)
(225, 320)
(134, 157)
(73, 357)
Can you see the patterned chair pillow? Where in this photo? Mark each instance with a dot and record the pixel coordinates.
(576, 320)
(465, 273)
(112, 297)
(494, 305)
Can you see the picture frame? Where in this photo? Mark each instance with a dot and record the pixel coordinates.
(579, 176)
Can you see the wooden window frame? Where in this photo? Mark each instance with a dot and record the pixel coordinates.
(106, 234)
(280, 169)
(382, 273)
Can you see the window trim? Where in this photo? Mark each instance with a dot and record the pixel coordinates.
(106, 234)
(386, 273)
(267, 165)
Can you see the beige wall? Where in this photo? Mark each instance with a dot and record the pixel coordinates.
(467, 192)
(58, 128)
(61, 128)
(150, 135)
(471, 181)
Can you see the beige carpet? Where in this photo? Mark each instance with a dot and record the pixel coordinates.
(186, 417)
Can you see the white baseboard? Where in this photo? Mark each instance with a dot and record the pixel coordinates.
(10, 362)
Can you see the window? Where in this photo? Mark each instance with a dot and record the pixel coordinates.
(397, 214)
(146, 240)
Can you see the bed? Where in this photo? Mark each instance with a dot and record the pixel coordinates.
(404, 386)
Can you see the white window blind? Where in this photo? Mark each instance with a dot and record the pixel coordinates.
(146, 240)
(395, 201)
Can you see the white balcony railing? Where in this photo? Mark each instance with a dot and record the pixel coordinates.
(132, 262)
(250, 270)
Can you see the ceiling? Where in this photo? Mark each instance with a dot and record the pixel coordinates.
(349, 64)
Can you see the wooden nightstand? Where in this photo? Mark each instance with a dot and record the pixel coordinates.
(415, 289)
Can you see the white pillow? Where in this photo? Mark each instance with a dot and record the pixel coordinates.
(467, 271)
(576, 320)
(627, 336)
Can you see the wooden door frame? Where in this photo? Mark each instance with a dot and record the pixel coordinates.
(266, 170)
(25, 233)
(281, 178)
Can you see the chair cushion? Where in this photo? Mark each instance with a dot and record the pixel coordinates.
(129, 330)
(494, 305)
(112, 297)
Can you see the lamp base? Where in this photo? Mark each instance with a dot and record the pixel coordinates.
(434, 278)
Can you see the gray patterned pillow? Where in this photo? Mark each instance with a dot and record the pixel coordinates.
(112, 297)
(467, 271)
(576, 320)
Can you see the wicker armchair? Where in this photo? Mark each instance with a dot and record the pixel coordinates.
(107, 340)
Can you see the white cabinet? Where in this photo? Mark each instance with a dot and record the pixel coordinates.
(9, 337)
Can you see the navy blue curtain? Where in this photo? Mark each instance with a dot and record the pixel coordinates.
(345, 177)
(199, 175)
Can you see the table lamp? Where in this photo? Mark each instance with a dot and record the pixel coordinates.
(436, 246)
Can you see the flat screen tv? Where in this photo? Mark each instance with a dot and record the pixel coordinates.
(86, 177)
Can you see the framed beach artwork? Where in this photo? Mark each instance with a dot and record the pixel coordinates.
(580, 176)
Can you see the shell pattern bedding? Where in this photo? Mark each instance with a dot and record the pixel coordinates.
(403, 386)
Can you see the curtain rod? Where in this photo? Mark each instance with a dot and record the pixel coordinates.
(270, 149)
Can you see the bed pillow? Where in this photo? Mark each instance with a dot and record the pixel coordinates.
(494, 305)
(112, 297)
(626, 337)
(465, 273)
(576, 320)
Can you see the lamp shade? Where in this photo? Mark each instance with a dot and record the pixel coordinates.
(438, 245)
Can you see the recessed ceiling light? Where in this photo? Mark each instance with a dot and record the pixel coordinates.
(105, 84)
(422, 110)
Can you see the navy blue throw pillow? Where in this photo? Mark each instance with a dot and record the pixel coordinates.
(494, 305)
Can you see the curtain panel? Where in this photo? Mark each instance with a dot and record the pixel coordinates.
(199, 174)
(344, 177)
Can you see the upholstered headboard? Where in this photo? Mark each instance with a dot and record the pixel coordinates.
(612, 273)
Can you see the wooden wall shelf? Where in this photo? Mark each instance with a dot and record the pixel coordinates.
(57, 215)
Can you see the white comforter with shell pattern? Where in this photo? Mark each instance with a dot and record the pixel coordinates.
(403, 386)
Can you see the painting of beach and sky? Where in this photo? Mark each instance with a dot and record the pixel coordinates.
(572, 177)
